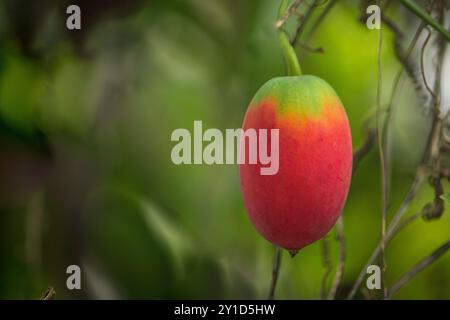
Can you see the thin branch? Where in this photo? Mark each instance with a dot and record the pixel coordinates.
(321, 17)
(275, 272)
(419, 267)
(403, 59)
(311, 49)
(302, 24)
(362, 151)
(341, 263)
(407, 221)
(422, 65)
(432, 157)
(383, 162)
(422, 14)
(327, 264)
(434, 210)
(285, 16)
(418, 180)
(48, 294)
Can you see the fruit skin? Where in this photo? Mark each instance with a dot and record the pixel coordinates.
(301, 203)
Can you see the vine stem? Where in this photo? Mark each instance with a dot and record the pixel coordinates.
(391, 229)
(275, 272)
(416, 184)
(421, 173)
(48, 294)
(422, 14)
(341, 263)
(327, 264)
(384, 178)
(290, 57)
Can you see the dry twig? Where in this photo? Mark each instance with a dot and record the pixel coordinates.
(48, 294)
(275, 272)
(341, 263)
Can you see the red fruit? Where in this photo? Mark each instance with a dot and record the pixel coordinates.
(301, 203)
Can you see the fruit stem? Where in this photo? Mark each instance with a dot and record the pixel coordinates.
(290, 57)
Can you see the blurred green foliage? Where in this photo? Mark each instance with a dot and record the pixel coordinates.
(86, 174)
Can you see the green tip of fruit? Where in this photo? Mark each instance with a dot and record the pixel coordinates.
(304, 94)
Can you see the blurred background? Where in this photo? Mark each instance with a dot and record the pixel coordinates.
(86, 176)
